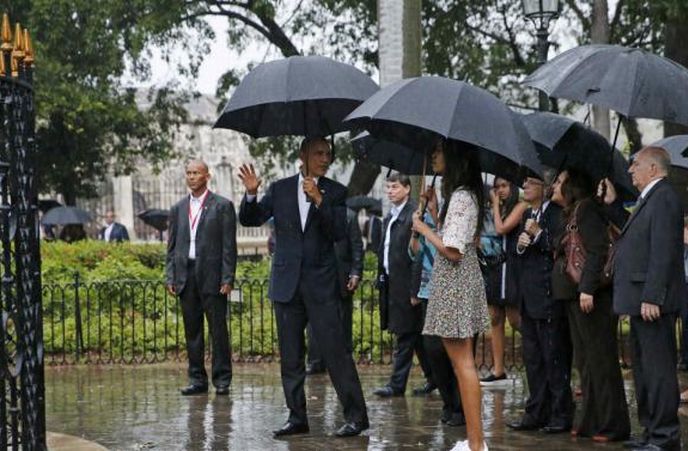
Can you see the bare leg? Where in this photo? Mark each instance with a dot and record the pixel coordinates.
(497, 339)
(460, 351)
(514, 317)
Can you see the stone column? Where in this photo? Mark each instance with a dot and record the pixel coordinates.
(123, 202)
(399, 28)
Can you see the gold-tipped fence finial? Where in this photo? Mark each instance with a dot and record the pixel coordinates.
(18, 51)
(6, 34)
(29, 56)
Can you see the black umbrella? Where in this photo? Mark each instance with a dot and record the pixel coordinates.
(677, 146)
(632, 82)
(564, 143)
(390, 154)
(299, 95)
(416, 112)
(156, 218)
(373, 205)
(66, 215)
(47, 204)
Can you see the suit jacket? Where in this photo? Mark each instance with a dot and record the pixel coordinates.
(398, 286)
(308, 255)
(373, 233)
(648, 263)
(349, 252)
(119, 233)
(216, 250)
(535, 267)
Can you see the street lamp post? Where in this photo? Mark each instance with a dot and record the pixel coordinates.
(542, 13)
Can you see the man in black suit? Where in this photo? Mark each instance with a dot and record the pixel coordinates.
(544, 328)
(349, 253)
(309, 217)
(201, 262)
(401, 310)
(649, 287)
(113, 232)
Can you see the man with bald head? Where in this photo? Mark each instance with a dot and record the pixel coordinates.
(309, 217)
(649, 287)
(201, 262)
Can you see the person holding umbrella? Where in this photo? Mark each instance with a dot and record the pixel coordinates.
(309, 214)
(457, 307)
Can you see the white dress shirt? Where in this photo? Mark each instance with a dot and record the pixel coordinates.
(108, 232)
(395, 211)
(304, 205)
(195, 204)
(649, 186)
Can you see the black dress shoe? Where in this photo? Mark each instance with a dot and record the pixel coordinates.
(291, 429)
(351, 429)
(426, 389)
(522, 425)
(194, 390)
(386, 392)
(634, 442)
(222, 390)
(649, 447)
(554, 429)
(454, 419)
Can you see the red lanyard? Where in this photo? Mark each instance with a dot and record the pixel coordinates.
(194, 218)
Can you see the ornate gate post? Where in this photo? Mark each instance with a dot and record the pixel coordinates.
(22, 389)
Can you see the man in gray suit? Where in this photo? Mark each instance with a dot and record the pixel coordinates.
(201, 261)
(649, 287)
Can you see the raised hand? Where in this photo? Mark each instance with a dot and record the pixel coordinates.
(606, 191)
(248, 176)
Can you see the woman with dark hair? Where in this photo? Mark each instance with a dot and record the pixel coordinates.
(604, 412)
(457, 308)
(502, 277)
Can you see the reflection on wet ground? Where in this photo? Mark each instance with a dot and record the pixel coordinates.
(138, 408)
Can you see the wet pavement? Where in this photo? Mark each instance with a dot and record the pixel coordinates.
(139, 408)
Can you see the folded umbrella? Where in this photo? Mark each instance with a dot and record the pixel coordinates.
(373, 205)
(416, 112)
(66, 215)
(299, 95)
(563, 143)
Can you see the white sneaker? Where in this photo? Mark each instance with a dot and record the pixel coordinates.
(461, 445)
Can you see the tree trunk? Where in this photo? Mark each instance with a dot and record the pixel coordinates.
(635, 138)
(675, 36)
(599, 34)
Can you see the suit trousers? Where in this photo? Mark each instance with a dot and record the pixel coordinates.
(653, 346)
(405, 346)
(325, 320)
(547, 356)
(604, 410)
(315, 358)
(443, 374)
(194, 305)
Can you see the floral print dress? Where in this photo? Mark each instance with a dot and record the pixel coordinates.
(457, 307)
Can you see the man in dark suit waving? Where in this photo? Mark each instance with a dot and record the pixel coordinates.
(201, 261)
(649, 287)
(309, 217)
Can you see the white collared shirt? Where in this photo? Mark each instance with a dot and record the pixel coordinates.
(195, 204)
(395, 211)
(649, 186)
(108, 232)
(304, 205)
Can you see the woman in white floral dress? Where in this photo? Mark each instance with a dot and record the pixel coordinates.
(457, 307)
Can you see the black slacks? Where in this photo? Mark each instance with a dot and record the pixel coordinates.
(194, 305)
(406, 345)
(604, 409)
(315, 358)
(547, 355)
(324, 318)
(653, 346)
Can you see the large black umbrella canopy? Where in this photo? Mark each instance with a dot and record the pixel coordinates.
(390, 154)
(299, 95)
(156, 218)
(66, 215)
(371, 204)
(563, 143)
(416, 112)
(632, 82)
(677, 146)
